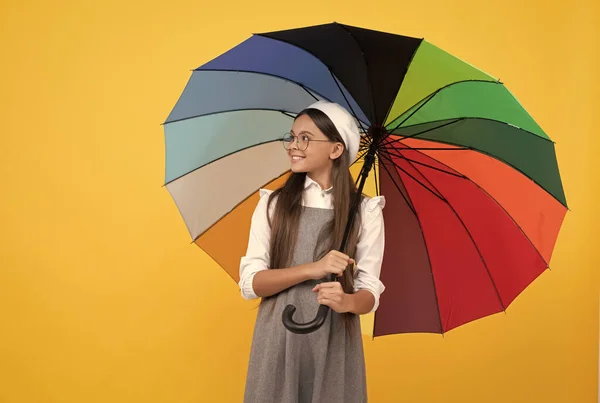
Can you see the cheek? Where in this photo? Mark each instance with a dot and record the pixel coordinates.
(317, 155)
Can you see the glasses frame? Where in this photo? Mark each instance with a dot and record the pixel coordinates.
(297, 141)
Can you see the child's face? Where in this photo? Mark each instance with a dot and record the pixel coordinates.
(318, 153)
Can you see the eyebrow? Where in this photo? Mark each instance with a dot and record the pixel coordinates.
(303, 132)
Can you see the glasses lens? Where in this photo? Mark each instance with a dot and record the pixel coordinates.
(303, 142)
(287, 139)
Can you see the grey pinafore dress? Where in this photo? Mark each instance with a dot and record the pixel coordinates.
(325, 366)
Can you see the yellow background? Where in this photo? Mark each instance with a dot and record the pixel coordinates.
(104, 299)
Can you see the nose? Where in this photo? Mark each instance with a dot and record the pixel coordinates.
(294, 143)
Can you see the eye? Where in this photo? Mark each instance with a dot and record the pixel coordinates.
(304, 138)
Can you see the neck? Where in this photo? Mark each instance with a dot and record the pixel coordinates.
(322, 178)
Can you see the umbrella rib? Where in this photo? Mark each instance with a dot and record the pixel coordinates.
(439, 196)
(376, 181)
(415, 111)
(288, 114)
(362, 169)
(366, 143)
(346, 99)
(261, 73)
(320, 61)
(224, 111)
(370, 86)
(201, 115)
(324, 64)
(495, 201)
(237, 205)
(440, 148)
(424, 131)
(440, 89)
(488, 154)
(387, 113)
(413, 209)
(311, 94)
(215, 160)
(359, 157)
(470, 237)
(472, 118)
(358, 177)
(274, 76)
(399, 155)
(408, 203)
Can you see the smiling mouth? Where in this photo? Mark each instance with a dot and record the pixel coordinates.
(297, 158)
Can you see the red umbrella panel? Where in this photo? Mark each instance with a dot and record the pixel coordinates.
(471, 233)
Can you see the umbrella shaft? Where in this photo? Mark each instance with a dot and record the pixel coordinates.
(364, 174)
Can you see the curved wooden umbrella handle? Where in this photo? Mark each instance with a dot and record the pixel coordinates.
(308, 327)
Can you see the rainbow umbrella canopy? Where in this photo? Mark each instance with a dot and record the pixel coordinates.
(474, 199)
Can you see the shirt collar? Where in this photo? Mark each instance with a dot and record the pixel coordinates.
(309, 182)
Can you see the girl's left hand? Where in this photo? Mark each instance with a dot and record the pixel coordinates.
(332, 295)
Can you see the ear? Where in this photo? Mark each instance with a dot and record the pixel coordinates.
(337, 150)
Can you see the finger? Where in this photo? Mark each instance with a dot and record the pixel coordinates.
(326, 301)
(332, 304)
(336, 261)
(341, 263)
(334, 296)
(330, 284)
(341, 255)
(336, 269)
(346, 261)
(316, 288)
(331, 292)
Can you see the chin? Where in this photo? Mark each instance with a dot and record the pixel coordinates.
(297, 170)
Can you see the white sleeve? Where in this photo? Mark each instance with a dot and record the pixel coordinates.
(370, 248)
(257, 253)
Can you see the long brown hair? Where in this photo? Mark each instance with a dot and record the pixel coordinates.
(286, 215)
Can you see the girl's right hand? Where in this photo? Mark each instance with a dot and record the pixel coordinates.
(334, 262)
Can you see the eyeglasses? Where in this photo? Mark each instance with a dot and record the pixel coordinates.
(303, 141)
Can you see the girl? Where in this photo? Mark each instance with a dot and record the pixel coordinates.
(298, 237)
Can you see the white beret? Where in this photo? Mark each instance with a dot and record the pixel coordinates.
(344, 123)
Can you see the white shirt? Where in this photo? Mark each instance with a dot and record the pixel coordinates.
(369, 249)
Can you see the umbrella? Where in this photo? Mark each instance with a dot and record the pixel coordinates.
(474, 198)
